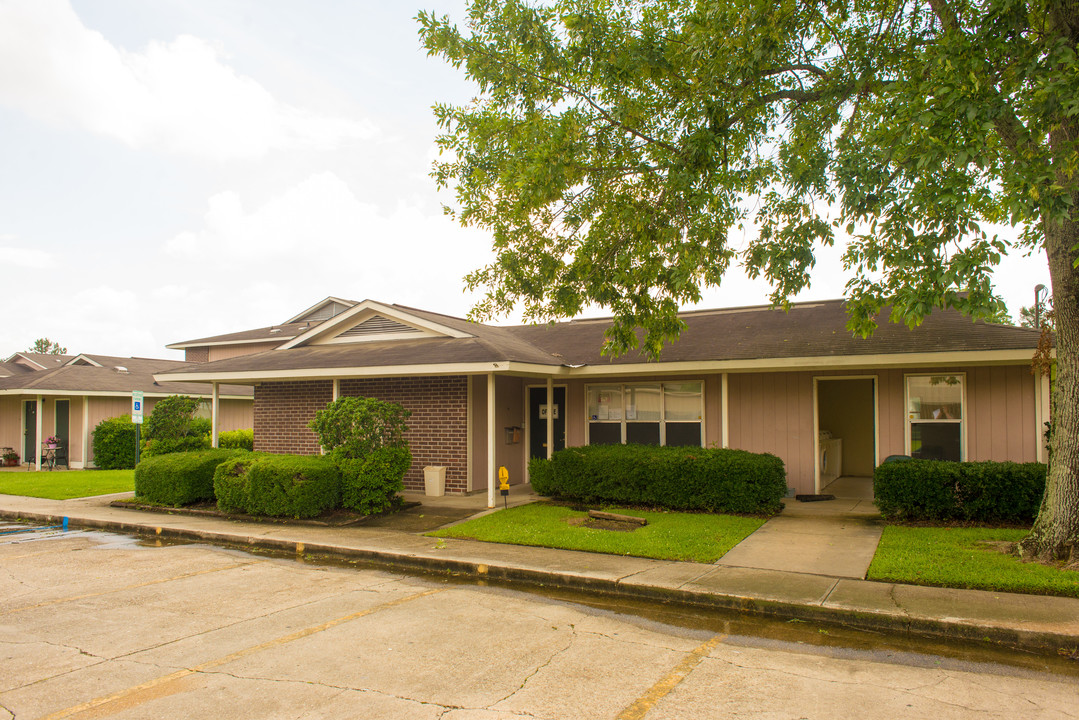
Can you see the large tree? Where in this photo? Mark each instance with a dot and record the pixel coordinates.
(614, 146)
(47, 347)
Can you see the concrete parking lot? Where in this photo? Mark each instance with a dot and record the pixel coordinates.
(95, 625)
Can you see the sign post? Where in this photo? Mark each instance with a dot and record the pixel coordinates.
(136, 417)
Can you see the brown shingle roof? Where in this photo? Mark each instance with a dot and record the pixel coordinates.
(279, 333)
(808, 330)
(78, 379)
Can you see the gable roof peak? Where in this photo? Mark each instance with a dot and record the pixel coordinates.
(324, 309)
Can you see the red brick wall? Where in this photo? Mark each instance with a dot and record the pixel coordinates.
(437, 428)
(197, 354)
(282, 411)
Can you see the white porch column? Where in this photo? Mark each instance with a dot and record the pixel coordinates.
(492, 471)
(214, 409)
(550, 417)
(37, 450)
(85, 432)
(724, 416)
(336, 388)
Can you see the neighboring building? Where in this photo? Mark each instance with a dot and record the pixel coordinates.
(248, 342)
(68, 395)
(796, 384)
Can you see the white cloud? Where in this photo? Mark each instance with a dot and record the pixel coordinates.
(317, 238)
(24, 258)
(178, 97)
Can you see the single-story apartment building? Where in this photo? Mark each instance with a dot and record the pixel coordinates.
(67, 396)
(794, 383)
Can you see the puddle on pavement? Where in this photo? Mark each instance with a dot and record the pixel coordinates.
(742, 629)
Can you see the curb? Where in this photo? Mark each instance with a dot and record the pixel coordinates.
(1040, 642)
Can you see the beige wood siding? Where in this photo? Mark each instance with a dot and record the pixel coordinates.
(773, 413)
(1000, 405)
(235, 415)
(224, 352)
(11, 409)
(478, 448)
(509, 411)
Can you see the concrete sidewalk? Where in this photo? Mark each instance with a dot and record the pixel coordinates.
(1042, 624)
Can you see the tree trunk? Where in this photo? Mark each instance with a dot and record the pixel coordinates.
(1055, 536)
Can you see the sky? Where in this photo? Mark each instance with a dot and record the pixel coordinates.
(173, 169)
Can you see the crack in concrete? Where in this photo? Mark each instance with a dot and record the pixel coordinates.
(342, 688)
(555, 654)
(226, 626)
(9, 711)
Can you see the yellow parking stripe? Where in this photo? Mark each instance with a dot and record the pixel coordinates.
(642, 705)
(153, 689)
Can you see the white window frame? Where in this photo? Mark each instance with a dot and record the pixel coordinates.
(662, 407)
(908, 420)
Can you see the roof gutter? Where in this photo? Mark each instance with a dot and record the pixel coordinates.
(850, 362)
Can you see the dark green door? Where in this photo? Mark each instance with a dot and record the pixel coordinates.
(537, 421)
(29, 445)
(63, 414)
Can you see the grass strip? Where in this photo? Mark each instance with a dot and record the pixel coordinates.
(960, 558)
(695, 537)
(66, 484)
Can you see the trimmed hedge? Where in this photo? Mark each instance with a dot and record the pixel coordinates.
(238, 439)
(370, 484)
(993, 492)
(114, 443)
(179, 478)
(230, 483)
(292, 486)
(164, 446)
(679, 478)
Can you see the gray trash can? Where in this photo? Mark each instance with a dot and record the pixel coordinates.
(434, 480)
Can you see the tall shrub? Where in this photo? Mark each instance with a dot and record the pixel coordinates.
(370, 484)
(354, 427)
(173, 427)
(114, 443)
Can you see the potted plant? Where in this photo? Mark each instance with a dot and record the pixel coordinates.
(11, 458)
(52, 442)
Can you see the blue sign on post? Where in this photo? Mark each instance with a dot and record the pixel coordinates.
(136, 406)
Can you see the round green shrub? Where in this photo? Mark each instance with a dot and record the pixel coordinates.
(292, 486)
(230, 483)
(114, 443)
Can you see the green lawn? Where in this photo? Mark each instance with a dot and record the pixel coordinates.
(668, 536)
(953, 557)
(65, 484)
